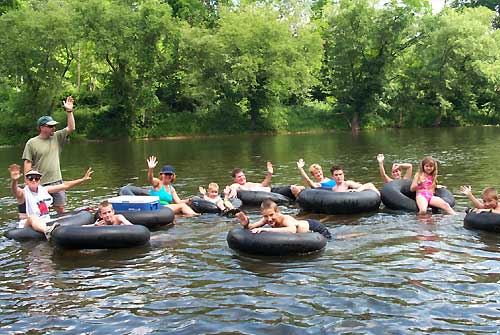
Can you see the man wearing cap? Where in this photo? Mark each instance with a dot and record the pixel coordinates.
(42, 152)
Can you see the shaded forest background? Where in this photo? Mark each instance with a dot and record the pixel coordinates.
(152, 68)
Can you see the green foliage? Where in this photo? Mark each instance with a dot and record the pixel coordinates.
(152, 68)
(451, 76)
(361, 44)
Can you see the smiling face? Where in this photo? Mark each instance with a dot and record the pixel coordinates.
(270, 215)
(166, 178)
(33, 181)
(396, 172)
(107, 213)
(213, 192)
(429, 168)
(490, 202)
(47, 131)
(239, 178)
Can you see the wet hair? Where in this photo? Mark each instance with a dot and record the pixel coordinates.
(213, 186)
(430, 160)
(315, 167)
(268, 203)
(235, 172)
(336, 168)
(490, 192)
(104, 204)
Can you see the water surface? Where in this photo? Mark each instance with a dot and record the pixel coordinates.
(403, 275)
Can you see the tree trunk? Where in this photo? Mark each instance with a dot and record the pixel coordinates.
(355, 123)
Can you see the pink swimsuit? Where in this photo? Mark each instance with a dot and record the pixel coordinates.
(424, 189)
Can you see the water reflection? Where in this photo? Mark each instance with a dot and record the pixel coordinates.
(400, 274)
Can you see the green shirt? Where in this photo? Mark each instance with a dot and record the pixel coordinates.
(44, 155)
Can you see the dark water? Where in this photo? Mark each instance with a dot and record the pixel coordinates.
(402, 276)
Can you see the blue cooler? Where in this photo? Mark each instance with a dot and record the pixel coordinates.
(135, 203)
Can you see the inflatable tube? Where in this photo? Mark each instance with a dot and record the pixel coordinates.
(283, 190)
(29, 234)
(100, 237)
(201, 205)
(150, 219)
(483, 221)
(397, 195)
(328, 202)
(275, 244)
(132, 190)
(255, 198)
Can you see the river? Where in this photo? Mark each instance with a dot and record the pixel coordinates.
(402, 275)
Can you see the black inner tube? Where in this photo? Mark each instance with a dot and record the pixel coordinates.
(275, 244)
(397, 195)
(255, 198)
(483, 221)
(328, 202)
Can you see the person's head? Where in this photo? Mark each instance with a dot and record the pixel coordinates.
(213, 190)
(46, 125)
(33, 178)
(490, 198)
(317, 172)
(270, 211)
(106, 211)
(429, 167)
(167, 174)
(337, 173)
(397, 171)
(239, 176)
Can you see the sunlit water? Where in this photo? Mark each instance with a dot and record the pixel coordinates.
(401, 275)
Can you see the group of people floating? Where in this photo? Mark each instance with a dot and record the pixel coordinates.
(44, 186)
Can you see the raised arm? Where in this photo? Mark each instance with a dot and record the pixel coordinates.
(69, 184)
(409, 169)
(152, 162)
(385, 177)
(269, 174)
(467, 190)
(15, 174)
(68, 106)
(305, 177)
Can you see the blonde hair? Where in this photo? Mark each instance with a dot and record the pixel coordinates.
(104, 204)
(490, 192)
(213, 186)
(430, 160)
(315, 167)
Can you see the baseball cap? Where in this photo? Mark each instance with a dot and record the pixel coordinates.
(46, 120)
(167, 169)
(33, 172)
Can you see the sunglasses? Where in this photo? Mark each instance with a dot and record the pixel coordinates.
(31, 177)
(167, 174)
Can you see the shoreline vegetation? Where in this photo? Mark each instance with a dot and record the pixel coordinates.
(154, 69)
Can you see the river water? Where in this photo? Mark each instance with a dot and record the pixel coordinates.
(401, 275)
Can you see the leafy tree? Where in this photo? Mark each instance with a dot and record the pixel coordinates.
(252, 64)
(361, 44)
(452, 75)
(491, 4)
(133, 40)
(36, 51)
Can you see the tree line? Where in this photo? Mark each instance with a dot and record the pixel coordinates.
(151, 68)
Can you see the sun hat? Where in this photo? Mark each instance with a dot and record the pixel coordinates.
(46, 120)
(167, 169)
(33, 173)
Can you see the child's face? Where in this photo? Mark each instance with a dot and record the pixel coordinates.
(490, 202)
(318, 175)
(107, 213)
(270, 215)
(213, 192)
(428, 168)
